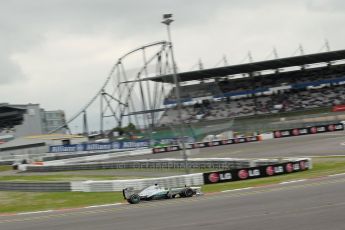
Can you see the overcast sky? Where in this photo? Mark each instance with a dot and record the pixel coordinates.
(57, 53)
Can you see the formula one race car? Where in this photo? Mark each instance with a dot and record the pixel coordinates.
(156, 192)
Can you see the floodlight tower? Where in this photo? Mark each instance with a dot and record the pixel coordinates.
(167, 20)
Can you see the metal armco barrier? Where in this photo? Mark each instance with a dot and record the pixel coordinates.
(6, 162)
(36, 186)
(202, 163)
(118, 185)
(69, 156)
(308, 131)
(98, 157)
(206, 144)
(256, 172)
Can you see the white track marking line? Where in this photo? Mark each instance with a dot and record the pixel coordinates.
(325, 156)
(238, 189)
(292, 181)
(332, 134)
(103, 205)
(339, 174)
(38, 212)
(48, 211)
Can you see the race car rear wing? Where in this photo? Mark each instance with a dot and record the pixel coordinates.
(127, 192)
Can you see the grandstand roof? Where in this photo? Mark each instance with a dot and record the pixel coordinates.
(10, 115)
(255, 66)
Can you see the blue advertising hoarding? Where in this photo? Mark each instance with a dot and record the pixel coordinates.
(99, 146)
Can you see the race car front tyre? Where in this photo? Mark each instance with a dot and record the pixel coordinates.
(134, 199)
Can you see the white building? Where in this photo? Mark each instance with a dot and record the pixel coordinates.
(53, 120)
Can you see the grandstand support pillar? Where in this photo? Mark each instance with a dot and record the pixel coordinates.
(201, 66)
(254, 95)
(148, 88)
(102, 114)
(167, 20)
(85, 125)
(225, 60)
(301, 50)
(275, 53)
(250, 57)
(328, 47)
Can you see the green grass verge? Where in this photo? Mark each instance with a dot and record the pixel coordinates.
(30, 201)
(5, 168)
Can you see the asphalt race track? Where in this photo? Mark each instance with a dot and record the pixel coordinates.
(316, 204)
(322, 144)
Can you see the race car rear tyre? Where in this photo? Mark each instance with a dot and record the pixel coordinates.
(170, 196)
(134, 199)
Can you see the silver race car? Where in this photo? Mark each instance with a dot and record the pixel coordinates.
(156, 192)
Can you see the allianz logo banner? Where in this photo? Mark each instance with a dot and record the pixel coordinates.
(98, 146)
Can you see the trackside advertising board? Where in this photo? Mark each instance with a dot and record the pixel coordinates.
(255, 172)
(307, 131)
(98, 146)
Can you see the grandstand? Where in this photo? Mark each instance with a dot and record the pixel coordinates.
(10, 116)
(27, 119)
(19, 121)
(146, 99)
(301, 83)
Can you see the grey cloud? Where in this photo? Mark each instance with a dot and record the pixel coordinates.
(334, 6)
(24, 23)
(89, 16)
(9, 71)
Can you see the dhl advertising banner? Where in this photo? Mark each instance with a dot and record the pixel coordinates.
(255, 172)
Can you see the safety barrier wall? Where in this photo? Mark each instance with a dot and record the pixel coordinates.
(98, 157)
(201, 163)
(206, 144)
(308, 131)
(272, 168)
(257, 172)
(36, 187)
(19, 157)
(10, 162)
(266, 136)
(65, 158)
(289, 166)
(137, 184)
(69, 155)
